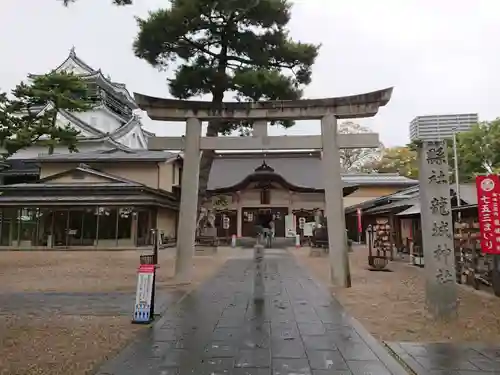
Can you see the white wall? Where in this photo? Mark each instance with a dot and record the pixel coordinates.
(100, 119)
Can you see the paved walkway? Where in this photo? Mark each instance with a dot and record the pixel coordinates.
(449, 359)
(217, 329)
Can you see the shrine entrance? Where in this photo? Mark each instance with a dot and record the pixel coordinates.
(249, 217)
(328, 111)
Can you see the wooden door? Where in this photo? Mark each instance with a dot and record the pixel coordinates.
(248, 221)
(279, 214)
(251, 214)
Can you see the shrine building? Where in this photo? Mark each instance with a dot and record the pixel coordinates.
(113, 198)
(243, 184)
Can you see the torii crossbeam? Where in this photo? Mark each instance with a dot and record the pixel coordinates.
(327, 110)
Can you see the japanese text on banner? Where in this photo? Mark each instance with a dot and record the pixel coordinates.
(488, 196)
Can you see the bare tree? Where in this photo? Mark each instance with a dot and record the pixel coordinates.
(356, 159)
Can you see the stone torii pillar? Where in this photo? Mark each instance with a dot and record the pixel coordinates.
(186, 231)
(327, 110)
(334, 201)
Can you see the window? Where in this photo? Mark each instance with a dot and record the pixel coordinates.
(89, 225)
(265, 196)
(28, 224)
(125, 222)
(173, 174)
(107, 223)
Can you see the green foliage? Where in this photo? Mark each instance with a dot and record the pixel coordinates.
(235, 46)
(401, 159)
(479, 150)
(29, 115)
(240, 47)
(357, 159)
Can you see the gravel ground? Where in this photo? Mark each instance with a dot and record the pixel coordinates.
(60, 344)
(90, 271)
(56, 341)
(391, 305)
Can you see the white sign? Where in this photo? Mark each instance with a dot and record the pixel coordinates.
(308, 228)
(302, 221)
(290, 225)
(144, 293)
(225, 222)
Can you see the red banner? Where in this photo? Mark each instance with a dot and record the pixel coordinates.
(146, 268)
(488, 196)
(360, 227)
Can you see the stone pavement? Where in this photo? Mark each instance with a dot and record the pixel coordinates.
(217, 329)
(449, 359)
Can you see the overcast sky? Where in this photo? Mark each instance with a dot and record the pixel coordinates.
(441, 56)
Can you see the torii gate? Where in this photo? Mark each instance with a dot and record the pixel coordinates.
(327, 110)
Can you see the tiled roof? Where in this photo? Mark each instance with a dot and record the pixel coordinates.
(468, 193)
(108, 155)
(395, 204)
(411, 197)
(378, 178)
(51, 199)
(399, 196)
(413, 210)
(406, 193)
(89, 170)
(16, 167)
(299, 169)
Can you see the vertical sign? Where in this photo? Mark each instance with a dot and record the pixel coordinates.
(437, 230)
(290, 225)
(226, 222)
(143, 295)
(360, 226)
(488, 196)
(302, 222)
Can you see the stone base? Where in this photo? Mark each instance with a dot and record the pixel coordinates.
(205, 250)
(317, 252)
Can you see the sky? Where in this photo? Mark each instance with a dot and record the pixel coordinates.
(439, 56)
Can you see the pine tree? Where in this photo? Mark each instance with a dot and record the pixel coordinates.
(236, 47)
(115, 2)
(29, 115)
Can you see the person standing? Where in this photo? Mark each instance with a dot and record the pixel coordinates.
(264, 225)
(272, 231)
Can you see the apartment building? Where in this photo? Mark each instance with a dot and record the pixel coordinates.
(436, 127)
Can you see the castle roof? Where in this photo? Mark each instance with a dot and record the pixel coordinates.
(119, 96)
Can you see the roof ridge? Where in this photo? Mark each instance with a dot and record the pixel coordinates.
(72, 118)
(72, 56)
(125, 127)
(91, 71)
(83, 167)
(87, 168)
(100, 74)
(79, 121)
